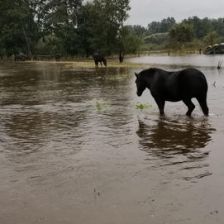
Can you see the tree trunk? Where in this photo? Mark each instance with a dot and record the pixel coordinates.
(27, 43)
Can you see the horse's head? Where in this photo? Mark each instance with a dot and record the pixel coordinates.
(140, 84)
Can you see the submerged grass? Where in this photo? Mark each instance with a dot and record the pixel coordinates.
(101, 105)
(141, 106)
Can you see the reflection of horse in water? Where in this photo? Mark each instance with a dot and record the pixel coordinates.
(169, 137)
(177, 149)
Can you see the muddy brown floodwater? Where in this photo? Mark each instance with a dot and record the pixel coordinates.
(74, 148)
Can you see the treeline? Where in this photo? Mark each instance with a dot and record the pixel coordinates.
(65, 27)
(192, 32)
(80, 28)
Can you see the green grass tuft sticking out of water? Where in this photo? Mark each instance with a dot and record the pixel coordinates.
(142, 106)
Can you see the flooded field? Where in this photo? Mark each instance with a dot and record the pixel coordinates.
(78, 146)
(184, 60)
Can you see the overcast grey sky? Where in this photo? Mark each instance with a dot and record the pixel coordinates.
(145, 11)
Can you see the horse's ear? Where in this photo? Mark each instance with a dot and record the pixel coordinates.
(136, 74)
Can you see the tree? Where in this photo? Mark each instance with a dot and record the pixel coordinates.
(100, 24)
(18, 28)
(200, 27)
(167, 24)
(59, 19)
(218, 26)
(211, 38)
(161, 27)
(130, 41)
(181, 33)
(138, 30)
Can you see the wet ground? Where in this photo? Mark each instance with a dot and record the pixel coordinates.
(76, 148)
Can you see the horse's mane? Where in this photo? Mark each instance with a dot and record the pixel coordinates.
(150, 71)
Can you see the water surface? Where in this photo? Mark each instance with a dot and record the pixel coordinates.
(198, 60)
(74, 148)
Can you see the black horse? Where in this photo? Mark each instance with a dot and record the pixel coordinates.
(21, 57)
(174, 86)
(99, 58)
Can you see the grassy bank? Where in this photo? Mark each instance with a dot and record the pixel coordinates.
(111, 63)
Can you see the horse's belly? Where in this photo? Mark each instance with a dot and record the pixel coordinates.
(172, 96)
(172, 99)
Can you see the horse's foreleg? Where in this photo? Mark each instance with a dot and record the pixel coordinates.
(161, 105)
(190, 106)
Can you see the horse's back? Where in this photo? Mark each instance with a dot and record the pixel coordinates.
(192, 81)
(186, 83)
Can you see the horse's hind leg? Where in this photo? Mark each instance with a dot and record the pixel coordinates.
(105, 62)
(203, 104)
(190, 106)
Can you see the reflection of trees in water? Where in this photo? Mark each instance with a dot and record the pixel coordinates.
(29, 131)
(25, 83)
(53, 104)
(169, 138)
